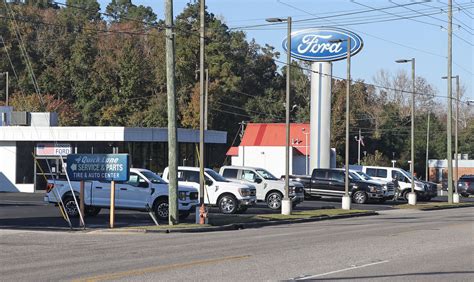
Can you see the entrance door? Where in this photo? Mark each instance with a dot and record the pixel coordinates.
(47, 168)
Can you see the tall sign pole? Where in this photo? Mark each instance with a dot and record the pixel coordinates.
(201, 112)
(449, 133)
(172, 130)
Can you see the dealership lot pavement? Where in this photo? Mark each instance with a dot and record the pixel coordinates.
(28, 211)
(398, 245)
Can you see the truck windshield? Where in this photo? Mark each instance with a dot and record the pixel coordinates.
(152, 177)
(354, 176)
(266, 174)
(408, 174)
(216, 176)
(363, 175)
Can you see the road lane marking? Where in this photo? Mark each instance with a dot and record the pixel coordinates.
(341, 270)
(154, 269)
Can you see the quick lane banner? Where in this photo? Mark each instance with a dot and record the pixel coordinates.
(101, 167)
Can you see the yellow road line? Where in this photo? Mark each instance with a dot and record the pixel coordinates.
(154, 269)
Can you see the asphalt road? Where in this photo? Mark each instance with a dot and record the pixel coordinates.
(399, 245)
(28, 211)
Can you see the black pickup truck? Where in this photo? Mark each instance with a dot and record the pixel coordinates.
(330, 182)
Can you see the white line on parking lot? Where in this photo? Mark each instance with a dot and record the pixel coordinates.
(340, 270)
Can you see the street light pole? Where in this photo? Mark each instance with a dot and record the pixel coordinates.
(427, 146)
(286, 204)
(346, 200)
(412, 195)
(455, 197)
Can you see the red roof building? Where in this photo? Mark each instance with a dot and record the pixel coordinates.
(263, 145)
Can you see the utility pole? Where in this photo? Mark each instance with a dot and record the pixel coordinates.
(172, 131)
(202, 208)
(449, 133)
(427, 146)
(206, 100)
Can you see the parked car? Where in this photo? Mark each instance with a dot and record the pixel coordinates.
(388, 186)
(466, 185)
(229, 197)
(269, 188)
(402, 178)
(143, 190)
(331, 182)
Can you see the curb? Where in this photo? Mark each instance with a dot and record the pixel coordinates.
(237, 226)
(446, 208)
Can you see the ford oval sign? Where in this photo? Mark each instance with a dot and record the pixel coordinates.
(323, 44)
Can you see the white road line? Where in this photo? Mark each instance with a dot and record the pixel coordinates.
(341, 270)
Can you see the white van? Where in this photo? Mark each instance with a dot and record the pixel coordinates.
(403, 178)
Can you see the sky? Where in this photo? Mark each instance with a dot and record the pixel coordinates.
(412, 29)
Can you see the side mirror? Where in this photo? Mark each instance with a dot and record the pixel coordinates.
(258, 180)
(143, 184)
(209, 182)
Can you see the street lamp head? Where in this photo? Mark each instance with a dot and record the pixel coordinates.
(275, 20)
(454, 76)
(402, 61)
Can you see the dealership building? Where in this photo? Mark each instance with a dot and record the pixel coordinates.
(264, 144)
(33, 146)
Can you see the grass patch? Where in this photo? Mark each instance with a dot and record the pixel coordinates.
(425, 206)
(219, 219)
(226, 219)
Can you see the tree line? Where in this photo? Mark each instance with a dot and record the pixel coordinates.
(108, 68)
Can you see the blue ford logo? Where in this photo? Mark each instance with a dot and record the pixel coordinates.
(321, 44)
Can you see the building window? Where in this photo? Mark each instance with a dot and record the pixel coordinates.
(25, 162)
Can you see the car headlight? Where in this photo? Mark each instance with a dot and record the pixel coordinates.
(244, 192)
(291, 190)
(182, 195)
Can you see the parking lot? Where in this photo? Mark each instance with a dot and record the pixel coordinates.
(28, 211)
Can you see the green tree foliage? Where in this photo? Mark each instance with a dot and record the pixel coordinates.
(110, 70)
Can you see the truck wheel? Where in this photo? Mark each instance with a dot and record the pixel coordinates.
(161, 209)
(359, 197)
(91, 211)
(227, 204)
(70, 207)
(274, 200)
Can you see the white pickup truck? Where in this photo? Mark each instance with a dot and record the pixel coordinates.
(144, 190)
(229, 197)
(269, 188)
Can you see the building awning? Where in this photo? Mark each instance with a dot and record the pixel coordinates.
(233, 151)
(105, 133)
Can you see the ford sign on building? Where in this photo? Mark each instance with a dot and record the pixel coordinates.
(323, 44)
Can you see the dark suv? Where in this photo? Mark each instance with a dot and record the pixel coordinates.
(466, 185)
(330, 182)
